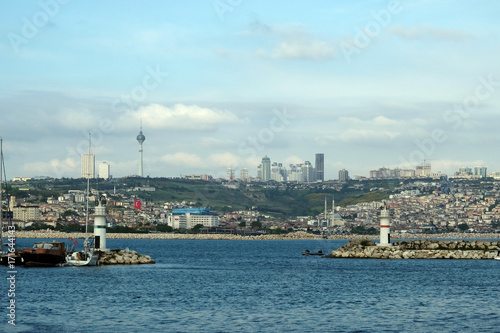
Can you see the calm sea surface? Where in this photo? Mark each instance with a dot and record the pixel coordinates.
(255, 286)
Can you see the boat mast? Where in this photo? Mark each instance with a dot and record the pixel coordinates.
(1, 181)
(88, 190)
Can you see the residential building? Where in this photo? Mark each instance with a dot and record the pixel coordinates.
(26, 213)
(88, 166)
(244, 175)
(104, 170)
(266, 168)
(320, 166)
(343, 175)
(480, 171)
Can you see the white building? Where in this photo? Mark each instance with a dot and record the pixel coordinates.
(187, 218)
(88, 166)
(104, 169)
(26, 213)
(244, 175)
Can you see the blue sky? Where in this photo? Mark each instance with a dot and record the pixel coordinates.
(222, 83)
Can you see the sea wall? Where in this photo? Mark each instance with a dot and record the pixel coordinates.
(293, 235)
(418, 249)
(56, 234)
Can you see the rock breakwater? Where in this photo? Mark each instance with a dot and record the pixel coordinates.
(124, 257)
(419, 249)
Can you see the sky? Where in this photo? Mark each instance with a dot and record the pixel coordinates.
(222, 83)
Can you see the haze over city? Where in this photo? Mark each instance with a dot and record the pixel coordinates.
(221, 84)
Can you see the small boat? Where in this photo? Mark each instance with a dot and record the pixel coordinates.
(309, 253)
(87, 257)
(44, 254)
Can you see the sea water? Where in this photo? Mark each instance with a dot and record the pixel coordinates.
(254, 286)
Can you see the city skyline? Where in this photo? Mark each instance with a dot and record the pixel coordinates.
(369, 84)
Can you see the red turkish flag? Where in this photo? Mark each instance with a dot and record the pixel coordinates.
(137, 204)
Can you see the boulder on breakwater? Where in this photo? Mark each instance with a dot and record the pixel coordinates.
(418, 249)
(124, 257)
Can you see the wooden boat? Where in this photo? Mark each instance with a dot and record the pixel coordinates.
(44, 254)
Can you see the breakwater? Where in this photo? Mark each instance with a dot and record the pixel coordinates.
(124, 257)
(418, 249)
(293, 235)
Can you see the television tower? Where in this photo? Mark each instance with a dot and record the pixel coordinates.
(140, 139)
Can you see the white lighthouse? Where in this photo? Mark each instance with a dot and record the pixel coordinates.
(140, 139)
(100, 227)
(385, 227)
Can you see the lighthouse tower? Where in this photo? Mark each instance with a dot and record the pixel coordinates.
(385, 227)
(100, 227)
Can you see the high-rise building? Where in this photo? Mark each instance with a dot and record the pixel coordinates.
(140, 139)
(308, 172)
(230, 174)
(266, 168)
(480, 171)
(88, 166)
(104, 170)
(320, 166)
(244, 176)
(278, 172)
(343, 175)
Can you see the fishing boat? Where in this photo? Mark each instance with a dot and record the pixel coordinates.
(87, 257)
(45, 254)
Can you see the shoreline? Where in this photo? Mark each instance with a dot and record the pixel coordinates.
(295, 236)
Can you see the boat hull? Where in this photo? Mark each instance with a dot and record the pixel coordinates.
(82, 259)
(15, 260)
(42, 259)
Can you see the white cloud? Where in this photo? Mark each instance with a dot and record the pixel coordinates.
(59, 168)
(293, 160)
(225, 160)
(303, 49)
(450, 166)
(210, 142)
(183, 117)
(183, 159)
(294, 43)
(429, 32)
(356, 135)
